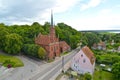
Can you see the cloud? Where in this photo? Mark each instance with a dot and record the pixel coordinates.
(23, 10)
(63, 5)
(28, 11)
(104, 20)
(91, 3)
(105, 11)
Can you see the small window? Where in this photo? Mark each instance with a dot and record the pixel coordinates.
(81, 55)
(83, 60)
(74, 65)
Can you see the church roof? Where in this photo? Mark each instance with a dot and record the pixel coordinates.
(43, 39)
(63, 43)
(89, 54)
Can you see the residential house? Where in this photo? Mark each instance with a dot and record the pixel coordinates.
(84, 61)
(100, 46)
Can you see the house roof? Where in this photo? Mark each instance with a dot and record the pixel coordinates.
(102, 44)
(89, 54)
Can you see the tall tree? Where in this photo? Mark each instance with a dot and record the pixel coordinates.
(46, 27)
(68, 34)
(116, 38)
(3, 32)
(91, 38)
(13, 43)
(31, 49)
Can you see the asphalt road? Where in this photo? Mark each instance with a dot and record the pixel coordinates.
(51, 69)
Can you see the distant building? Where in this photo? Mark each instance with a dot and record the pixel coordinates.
(112, 42)
(119, 49)
(84, 61)
(51, 43)
(100, 46)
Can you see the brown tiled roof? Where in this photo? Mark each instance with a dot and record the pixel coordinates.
(63, 43)
(102, 44)
(42, 39)
(89, 54)
(45, 39)
(95, 45)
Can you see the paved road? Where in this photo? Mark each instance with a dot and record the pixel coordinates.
(49, 70)
(22, 73)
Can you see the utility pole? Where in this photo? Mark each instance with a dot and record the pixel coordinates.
(63, 64)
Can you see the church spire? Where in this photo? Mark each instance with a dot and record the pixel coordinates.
(52, 25)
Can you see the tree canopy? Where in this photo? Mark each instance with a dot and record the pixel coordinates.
(15, 37)
(116, 70)
(13, 43)
(90, 38)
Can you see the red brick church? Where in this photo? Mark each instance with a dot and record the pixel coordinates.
(51, 43)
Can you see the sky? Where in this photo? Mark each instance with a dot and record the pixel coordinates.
(80, 14)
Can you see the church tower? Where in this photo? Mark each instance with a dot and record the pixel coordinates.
(52, 29)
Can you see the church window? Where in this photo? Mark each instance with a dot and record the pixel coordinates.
(56, 47)
(51, 48)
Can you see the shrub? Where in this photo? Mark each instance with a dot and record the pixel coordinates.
(41, 53)
(87, 76)
(31, 49)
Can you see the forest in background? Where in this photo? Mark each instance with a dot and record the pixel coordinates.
(20, 38)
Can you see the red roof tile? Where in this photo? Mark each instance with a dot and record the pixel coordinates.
(89, 54)
(63, 43)
(43, 39)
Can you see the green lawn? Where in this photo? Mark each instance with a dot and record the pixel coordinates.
(14, 61)
(102, 75)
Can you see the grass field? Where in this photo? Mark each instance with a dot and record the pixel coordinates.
(14, 61)
(102, 75)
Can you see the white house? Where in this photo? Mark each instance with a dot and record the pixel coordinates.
(83, 61)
